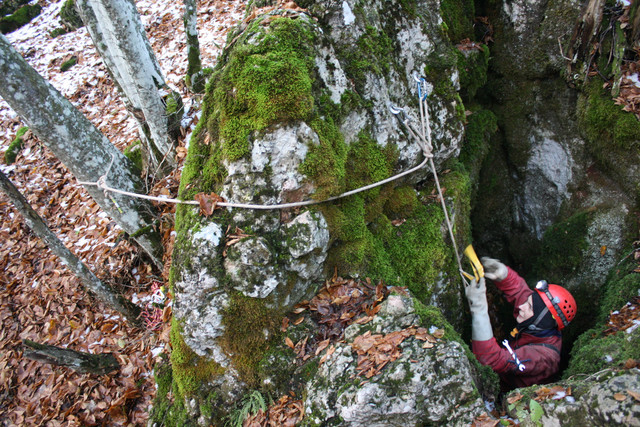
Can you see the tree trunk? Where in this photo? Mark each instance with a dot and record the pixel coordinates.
(118, 34)
(102, 291)
(79, 145)
(195, 78)
(85, 363)
(586, 29)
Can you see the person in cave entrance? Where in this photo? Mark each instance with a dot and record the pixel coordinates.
(533, 355)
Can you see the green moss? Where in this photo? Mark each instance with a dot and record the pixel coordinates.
(15, 146)
(473, 66)
(66, 65)
(485, 378)
(402, 202)
(134, 153)
(249, 329)
(618, 290)
(593, 352)
(165, 410)
(442, 60)
(563, 245)
(69, 15)
(325, 163)
(607, 126)
(190, 371)
(254, 86)
(589, 350)
(458, 16)
(262, 84)
(482, 124)
(19, 18)
(57, 32)
(372, 53)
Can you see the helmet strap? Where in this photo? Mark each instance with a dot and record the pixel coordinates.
(554, 302)
(534, 326)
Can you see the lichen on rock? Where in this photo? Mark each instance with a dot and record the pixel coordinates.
(424, 385)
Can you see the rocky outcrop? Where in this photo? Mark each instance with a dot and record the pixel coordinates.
(607, 398)
(298, 108)
(430, 385)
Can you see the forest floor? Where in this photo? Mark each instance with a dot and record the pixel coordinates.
(40, 299)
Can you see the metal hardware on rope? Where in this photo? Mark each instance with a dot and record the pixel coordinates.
(423, 138)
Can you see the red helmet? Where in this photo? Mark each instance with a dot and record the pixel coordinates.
(559, 301)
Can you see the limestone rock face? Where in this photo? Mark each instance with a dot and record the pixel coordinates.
(423, 386)
(278, 256)
(603, 399)
(415, 43)
(547, 164)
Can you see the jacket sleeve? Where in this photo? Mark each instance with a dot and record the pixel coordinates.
(489, 353)
(515, 289)
(538, 360)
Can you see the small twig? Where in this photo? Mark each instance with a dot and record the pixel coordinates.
(572, 61)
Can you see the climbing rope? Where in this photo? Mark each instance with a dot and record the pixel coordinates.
(422, 136)
(101, 183)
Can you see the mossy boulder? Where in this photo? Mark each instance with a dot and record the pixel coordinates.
(297, 109)
(69, 16)
(20, 17)
(426, 384)
(7, 7)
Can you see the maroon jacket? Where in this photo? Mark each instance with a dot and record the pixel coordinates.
(540, 356)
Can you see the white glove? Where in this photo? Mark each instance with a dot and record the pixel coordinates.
(480, 324)
(494, 269)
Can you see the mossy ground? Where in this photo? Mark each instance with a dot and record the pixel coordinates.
(591, 348)
(15, 146)
(66, 65)
(19, 18)
(607, 125)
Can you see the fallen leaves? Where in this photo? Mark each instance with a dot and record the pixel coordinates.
(467, 45)
(341, 303)
(233, 238)
(555, 393)
(338, 304)
(208, 202)
(286, 412)
(485, 420)
(626, 319)
(39, 298)
(629, 96)
(375, 351)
